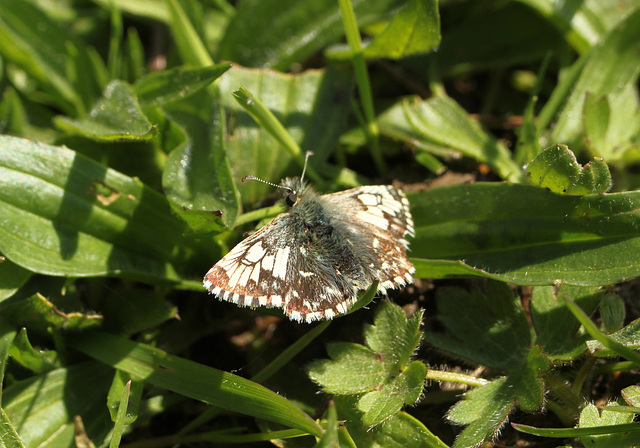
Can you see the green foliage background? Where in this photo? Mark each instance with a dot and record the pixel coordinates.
(126, 126)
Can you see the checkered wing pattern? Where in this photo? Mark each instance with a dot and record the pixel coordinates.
(313, 260)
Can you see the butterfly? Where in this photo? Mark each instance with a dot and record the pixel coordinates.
(312, 260)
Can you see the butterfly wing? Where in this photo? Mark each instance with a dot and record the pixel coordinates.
(313, 260)
(381, 214)
(272, 268)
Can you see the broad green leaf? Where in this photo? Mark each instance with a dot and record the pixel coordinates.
(116, 116)
(353, 369)
(611, 123)
(583, 23)
(9, 438)
(37, 361)
(399, 431)
(277, 33)
(122, 380)
(312, 106)
(526, 381)
(557, 169)
(609, 68)
(612, 312)
(66, 215)
(498, 35)
(527, 235)
(379, 370)
(12, 277)
(591, 417)
(629, 336)
(167, 86)
(493, 331)
(439, 125)
(485, 410)
(631, 395)
(47, 52)
(403, 430)
(194, 380)
(414, 30)
(381, 404)
(197, 179)
(557, 331)
(391, 320)
(42, 407)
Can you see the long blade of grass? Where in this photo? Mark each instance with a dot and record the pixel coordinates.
(194, 380)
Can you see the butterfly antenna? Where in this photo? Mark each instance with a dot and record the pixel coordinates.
(306, 159)
(250, 177)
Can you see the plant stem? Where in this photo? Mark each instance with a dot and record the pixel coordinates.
(362, 81)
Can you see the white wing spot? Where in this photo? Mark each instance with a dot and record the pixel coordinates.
(255, 253)
(281, 261)
(267, 263)
(369, 199)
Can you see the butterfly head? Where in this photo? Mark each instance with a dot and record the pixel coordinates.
(292, 187)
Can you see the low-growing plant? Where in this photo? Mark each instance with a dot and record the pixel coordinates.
(513, 127)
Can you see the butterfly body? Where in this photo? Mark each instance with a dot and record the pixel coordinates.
(313, 260)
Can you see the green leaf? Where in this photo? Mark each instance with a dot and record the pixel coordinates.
(526, 381)
(167, 86)
(43, 407)
(39, 314)
(583, 24)
(380, 370)
(629, 336)
(591, 417)
(190, 45)
(12, 277)
(312, 107)
(485, 410)
(557, 332)
(7, 335)
(631, 395)
(118, 427)
(9, 438)
(612, 312)
(353, 369)
(116, 116)
(609, 68)
(47, 52)
(478, 41)
(557, 169)
(391, 320)
(38, 361)
(439, 125)
(414, 30)
(131, 309)
(64, 214)
(194, 380)
(401, 430)
(527, 235)
(330, 437)
(493, 331)
(379, 405)
(197, 179)
(277, 33)
(122, 381)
